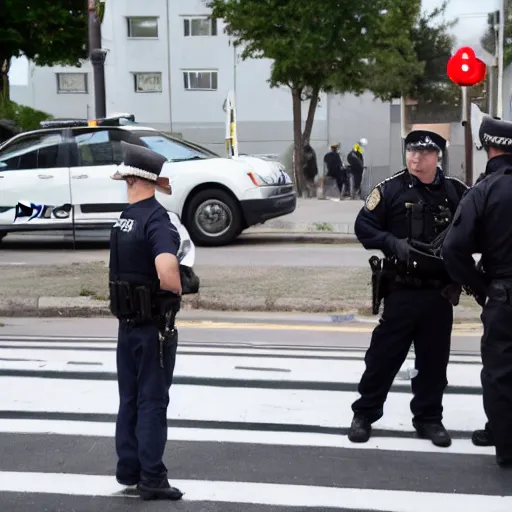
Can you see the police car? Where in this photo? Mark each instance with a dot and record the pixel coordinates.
(69, 162)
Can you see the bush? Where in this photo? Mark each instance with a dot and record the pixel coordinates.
(25, 117)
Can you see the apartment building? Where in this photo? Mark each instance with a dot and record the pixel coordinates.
(172, 66)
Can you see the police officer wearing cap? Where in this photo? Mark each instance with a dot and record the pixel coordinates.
(145, 291)
(414, 205)
(482, 226)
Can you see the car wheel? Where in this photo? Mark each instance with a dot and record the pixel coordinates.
(213, 218)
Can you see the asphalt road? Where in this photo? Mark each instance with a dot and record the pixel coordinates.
(16, 251)
(257, 423)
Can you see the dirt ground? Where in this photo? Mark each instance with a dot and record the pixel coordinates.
(312, 289)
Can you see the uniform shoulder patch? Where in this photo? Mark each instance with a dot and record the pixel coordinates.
(373, 199)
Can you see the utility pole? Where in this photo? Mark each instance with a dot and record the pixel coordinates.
(501, 35)
(97, 57)
(468, 139)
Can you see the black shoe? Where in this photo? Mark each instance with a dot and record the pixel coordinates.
(482, 438)
(504, 463)
(162, 491)
(433, 431)
(360, 430)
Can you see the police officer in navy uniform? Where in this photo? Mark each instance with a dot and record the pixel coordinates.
(145, 291)
(482, 226)
(415, 204)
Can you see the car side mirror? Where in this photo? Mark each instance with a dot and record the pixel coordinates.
(3, 165)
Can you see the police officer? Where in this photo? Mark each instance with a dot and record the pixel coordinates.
(482, 226)
(145, 290)
(411, 205)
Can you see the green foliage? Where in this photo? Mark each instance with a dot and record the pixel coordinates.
(48, 32)
(320, 45)
(488, 41)
(422, 75)
(45, 31)
(25, 118)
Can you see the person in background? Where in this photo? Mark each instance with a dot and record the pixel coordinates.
(333, 168)
(356, 161)
(310, 170)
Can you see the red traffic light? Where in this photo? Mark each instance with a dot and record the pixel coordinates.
(464, 68)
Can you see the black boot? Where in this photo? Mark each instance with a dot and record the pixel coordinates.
(162, 491)
(482, 438)
(360, 429)
(433, 431)
(504, 463)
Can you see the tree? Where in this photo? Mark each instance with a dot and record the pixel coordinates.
(48, 32)
(489, 39)
(326, 45)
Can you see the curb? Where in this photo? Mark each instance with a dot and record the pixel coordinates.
(89, 307)
(317, 312)
(297, 237)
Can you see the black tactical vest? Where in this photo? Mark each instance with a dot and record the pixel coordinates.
(431, 210)
(131, 259)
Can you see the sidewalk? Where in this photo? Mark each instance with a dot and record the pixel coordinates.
(327, 217)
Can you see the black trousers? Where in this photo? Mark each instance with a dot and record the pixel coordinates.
(421, 317)
(496, 376)
(141, 427)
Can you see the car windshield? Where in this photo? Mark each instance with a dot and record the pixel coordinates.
(173, 150)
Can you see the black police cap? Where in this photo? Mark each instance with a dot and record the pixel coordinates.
(496, 133)
(425, 139)
(142, 162)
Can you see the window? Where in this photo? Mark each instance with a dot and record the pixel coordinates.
(32, 152)
(173, 150)
(148, 82)
(142, 28)
(72, 83)
(200, 26)
(200, 80)
(100, 147)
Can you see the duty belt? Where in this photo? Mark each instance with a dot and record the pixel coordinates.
(418, 282)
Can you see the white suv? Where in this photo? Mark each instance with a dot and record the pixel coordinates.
(69, 163)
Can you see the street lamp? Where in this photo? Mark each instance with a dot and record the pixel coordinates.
(501, 34)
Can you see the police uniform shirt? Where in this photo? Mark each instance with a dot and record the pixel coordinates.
(143, 231)
(384, 219)
(483, 224)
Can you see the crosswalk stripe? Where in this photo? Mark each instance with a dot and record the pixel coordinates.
(230, 366)
(264, 494)
(36, 402)
(248, 405)
(104, 429)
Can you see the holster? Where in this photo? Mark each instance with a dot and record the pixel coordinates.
(382, 280)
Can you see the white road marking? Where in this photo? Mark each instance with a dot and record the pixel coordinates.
(101, 429)
(251, 405)
(227, 367)
(263, 494)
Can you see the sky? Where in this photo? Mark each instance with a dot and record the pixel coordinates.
(471, 26)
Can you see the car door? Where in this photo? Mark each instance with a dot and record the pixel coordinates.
(34, 169)
(97, 152)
